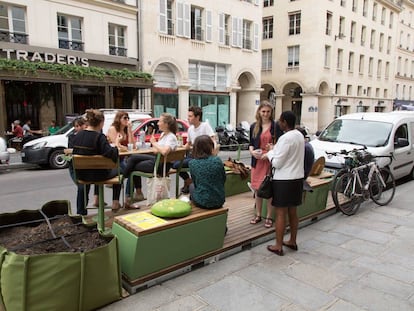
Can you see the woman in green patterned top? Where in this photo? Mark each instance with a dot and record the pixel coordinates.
(208, 175)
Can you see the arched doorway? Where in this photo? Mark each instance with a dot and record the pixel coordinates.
(293, 99)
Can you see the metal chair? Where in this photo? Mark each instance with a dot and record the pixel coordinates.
(84, 162)
(176, 155)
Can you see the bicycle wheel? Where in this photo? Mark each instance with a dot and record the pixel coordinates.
(380, 194)
(346, 200)
(334, 180)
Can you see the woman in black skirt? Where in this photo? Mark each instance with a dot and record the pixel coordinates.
(287, 158)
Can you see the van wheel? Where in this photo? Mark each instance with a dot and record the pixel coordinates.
(57, 159)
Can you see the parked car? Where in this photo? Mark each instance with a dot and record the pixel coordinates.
(381, 133)
(143, 124)
(4, 153)
(47, 151)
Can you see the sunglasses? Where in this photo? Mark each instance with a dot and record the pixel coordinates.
(125, 117)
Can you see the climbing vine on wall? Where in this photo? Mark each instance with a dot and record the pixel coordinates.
(73, 72)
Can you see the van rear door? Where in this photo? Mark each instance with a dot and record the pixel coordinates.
(403, 157)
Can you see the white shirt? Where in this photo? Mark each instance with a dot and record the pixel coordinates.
(203, 129)
(288, 156)
(168, 140)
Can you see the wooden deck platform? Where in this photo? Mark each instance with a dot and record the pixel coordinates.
(241, 235)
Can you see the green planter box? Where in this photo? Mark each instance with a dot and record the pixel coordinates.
(168, 242)
(235, 185)
(313, 202)
(58, 281)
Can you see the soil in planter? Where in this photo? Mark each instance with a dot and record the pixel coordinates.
(34, 240)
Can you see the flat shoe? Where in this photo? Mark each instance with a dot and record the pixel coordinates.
(116, 208)
(131, 206)
(256, 220)
(278, 252)
(292, 247)
(139, 197)
(268, 223)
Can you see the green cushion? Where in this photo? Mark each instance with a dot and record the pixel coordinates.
(171, 208)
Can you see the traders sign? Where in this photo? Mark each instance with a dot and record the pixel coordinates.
(45, 57)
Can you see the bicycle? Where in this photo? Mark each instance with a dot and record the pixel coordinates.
(361, 179)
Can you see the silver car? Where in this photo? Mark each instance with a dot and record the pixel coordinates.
(4, 153)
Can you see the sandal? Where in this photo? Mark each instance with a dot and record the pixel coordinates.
(256, 220)
(116, 207)
(268, 222)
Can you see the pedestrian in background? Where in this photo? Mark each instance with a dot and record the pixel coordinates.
(53, 128)
(287, 158)
(263, 135)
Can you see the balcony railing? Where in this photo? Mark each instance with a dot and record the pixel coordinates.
(70, 45)
(13, 37)
(118, 51)
(247, 44)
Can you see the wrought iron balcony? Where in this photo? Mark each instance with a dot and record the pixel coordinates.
(118, 51)
(13, 37)
(71, 45)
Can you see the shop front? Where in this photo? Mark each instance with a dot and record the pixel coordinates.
(42, 86)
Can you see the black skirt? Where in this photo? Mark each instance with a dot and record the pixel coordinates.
(287, 193)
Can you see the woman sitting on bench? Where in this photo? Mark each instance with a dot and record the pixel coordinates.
(208, 175)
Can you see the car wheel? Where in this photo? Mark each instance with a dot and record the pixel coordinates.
(57, 159)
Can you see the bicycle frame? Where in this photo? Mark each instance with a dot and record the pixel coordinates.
(373, 168)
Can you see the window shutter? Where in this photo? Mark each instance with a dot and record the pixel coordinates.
(180, 19)
(209, 25)
(221, 28)
(256, 2)
(256, 37)
(187, 20)
(240, 32)
(234, 31)
(163, 16)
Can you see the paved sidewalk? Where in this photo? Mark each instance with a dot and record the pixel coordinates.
(362, 262)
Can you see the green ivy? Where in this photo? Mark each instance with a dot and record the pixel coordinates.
(71, 71)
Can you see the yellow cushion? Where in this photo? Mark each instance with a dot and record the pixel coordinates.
(171, 208)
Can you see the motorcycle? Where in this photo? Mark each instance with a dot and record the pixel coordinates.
(243, 134)
(226, 137)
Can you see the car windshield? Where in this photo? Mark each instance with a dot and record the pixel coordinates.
(361, 132)
(63, 129)
(135, 124)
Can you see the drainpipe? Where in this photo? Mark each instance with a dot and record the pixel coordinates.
(139, 34)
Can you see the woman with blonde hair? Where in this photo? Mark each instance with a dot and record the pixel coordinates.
(121, 127)
(263, 135)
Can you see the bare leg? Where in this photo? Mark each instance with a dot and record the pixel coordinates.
(293, 225)
(280, 224)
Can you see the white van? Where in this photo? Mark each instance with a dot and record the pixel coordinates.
(48, 150)
(381, 133)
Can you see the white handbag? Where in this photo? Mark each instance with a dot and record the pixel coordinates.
(158, 187)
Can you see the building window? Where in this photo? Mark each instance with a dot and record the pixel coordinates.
(343, 3)
(353, 30)
(387, 70)
(365, 8)
(372, 43)
(197, 24)
(363, 35)
(328, 28)
(341, 33)
(354, 5)
(383, 12)
(293, 56)
(294, 23)
(338, 88)
(374, 11)
(207, 76)
(370, 65)
(166, 17)
(268, 28)
(379, 69)
(117, 40)
(327, 60)
(339, 59)
(247, 37)
(369, 91)
(267, 3)
(70, 32)
(12, 24)
(391, 20)
(351, 62)
(224, 29)
(349, 89)
(267, 60)
(361, 64)
(381, 42)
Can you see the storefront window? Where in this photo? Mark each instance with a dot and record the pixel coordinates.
(216, 108)
(165, 103)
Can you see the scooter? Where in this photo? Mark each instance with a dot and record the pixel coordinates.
(226, 136)
(243, 134)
